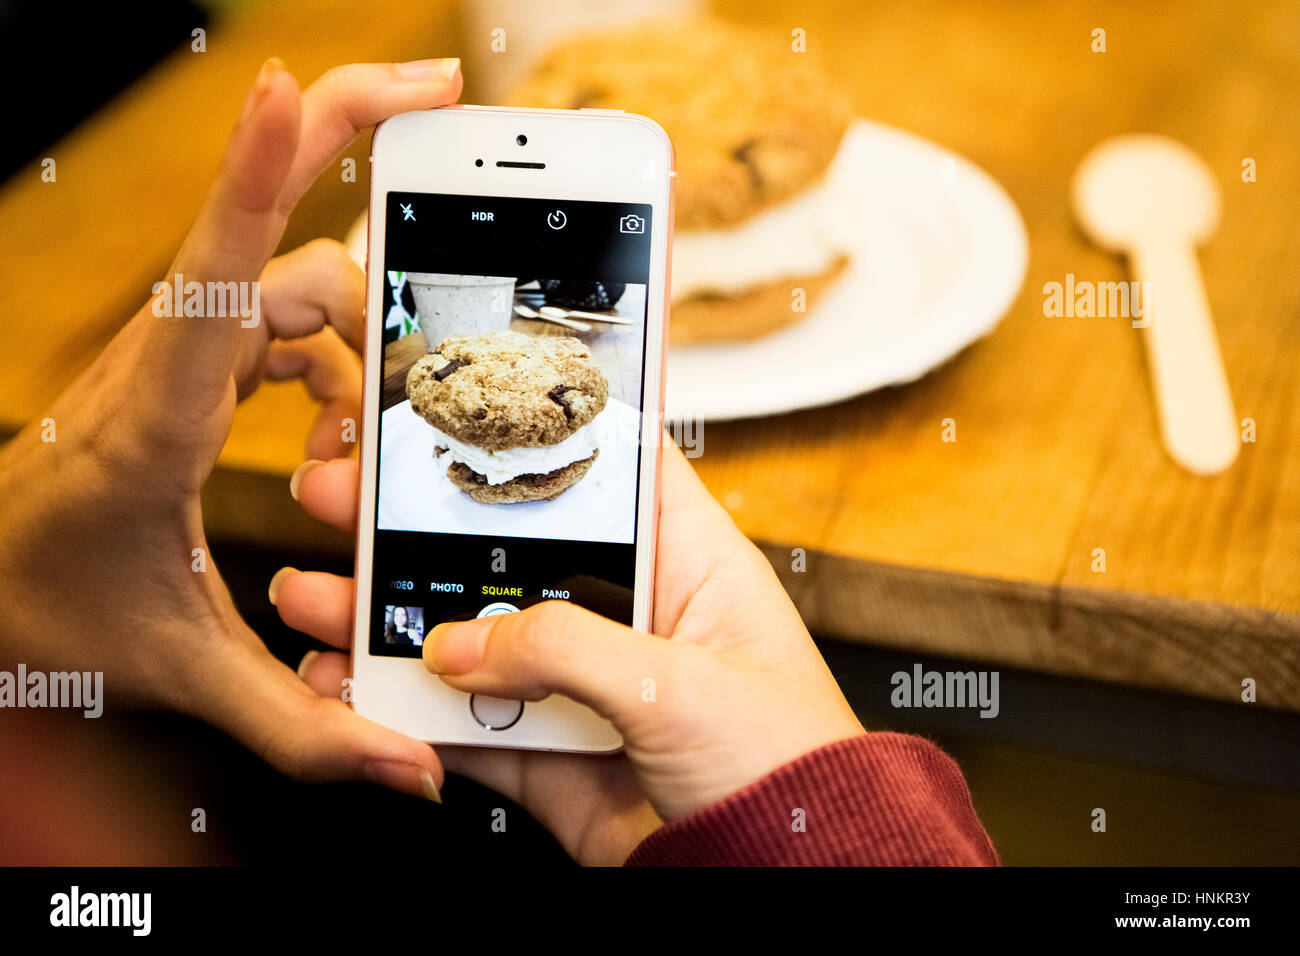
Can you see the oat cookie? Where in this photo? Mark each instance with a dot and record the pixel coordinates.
(502, 390)
(752, 123)
(747, 315)
(524, 488)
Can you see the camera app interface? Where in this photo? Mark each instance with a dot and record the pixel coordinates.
(510, 411)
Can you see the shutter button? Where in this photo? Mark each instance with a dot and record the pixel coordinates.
(495, 713)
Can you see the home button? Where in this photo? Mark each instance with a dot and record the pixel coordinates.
(495, 713)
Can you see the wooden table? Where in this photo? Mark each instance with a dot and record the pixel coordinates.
(983, 547)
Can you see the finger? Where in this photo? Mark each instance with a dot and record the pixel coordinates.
(283, 141)
(331, 373)
(239, 224)
(262, 703)
(328, 491)
(593, 807)
(495, 768)
(333, 424)
(313, 286)
(704, 560)
(325, 671)
(695, 534)
(234, 235)
(554, 647)
(686, 500)
(315, 603)
(347, 99)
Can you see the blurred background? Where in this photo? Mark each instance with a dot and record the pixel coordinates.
(948, 513)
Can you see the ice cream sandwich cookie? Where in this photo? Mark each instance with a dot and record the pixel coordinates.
(755, 128)
(510, 412)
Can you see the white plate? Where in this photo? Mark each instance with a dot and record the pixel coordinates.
(415, 494)
(938, 255)
(939, 252)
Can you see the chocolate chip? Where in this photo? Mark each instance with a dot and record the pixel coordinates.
(448, 369)
(557, 395)
(744, 154)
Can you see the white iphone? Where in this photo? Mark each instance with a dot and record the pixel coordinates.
(516, 301)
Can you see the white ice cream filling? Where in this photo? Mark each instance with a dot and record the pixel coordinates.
(506, 464)
(799, 237)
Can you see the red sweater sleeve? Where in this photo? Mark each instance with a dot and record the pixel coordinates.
(882, 799)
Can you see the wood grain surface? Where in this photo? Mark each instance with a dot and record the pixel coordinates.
(399, 356)
(983, 547)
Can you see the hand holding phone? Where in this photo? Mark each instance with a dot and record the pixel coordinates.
(737, 686)
(737, 691)
(106, 524)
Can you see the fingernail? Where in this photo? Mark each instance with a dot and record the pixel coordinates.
(277, 579)
(404, 778)
(429, 70)
(261, 85)
(431, 791)
(455, 648)
(296, 478)
(306, 658)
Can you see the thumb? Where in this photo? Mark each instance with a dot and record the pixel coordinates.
(554, 647)
(264, 705)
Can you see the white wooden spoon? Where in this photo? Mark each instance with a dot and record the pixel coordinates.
(555, 312)
(527, 313)
(1155, 200)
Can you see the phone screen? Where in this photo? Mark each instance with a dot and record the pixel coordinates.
(509, 445)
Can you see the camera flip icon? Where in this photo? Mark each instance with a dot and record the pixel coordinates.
(631, 223)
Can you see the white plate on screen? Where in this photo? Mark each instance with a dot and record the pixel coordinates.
(415, 494)
(938, 254)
